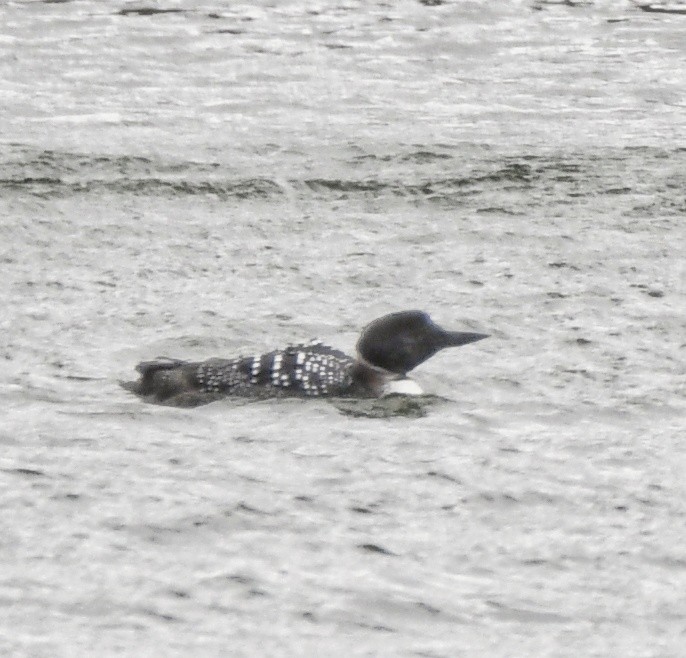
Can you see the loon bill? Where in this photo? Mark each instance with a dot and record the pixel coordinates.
(388, 348)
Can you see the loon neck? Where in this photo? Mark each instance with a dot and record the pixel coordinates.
(374, 381)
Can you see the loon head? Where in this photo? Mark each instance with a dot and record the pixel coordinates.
(399, 342)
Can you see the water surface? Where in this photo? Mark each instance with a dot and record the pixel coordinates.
(223, 179)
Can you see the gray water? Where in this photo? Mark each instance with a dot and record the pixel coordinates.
(229, 178)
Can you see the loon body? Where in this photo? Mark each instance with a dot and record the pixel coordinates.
(387, 350)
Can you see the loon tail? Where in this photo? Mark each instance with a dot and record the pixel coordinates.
(161, 379)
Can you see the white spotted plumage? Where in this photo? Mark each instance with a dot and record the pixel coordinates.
(310, 369)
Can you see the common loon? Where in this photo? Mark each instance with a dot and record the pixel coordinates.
(387, 350)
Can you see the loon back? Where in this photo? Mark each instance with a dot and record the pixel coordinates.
(388, 349)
